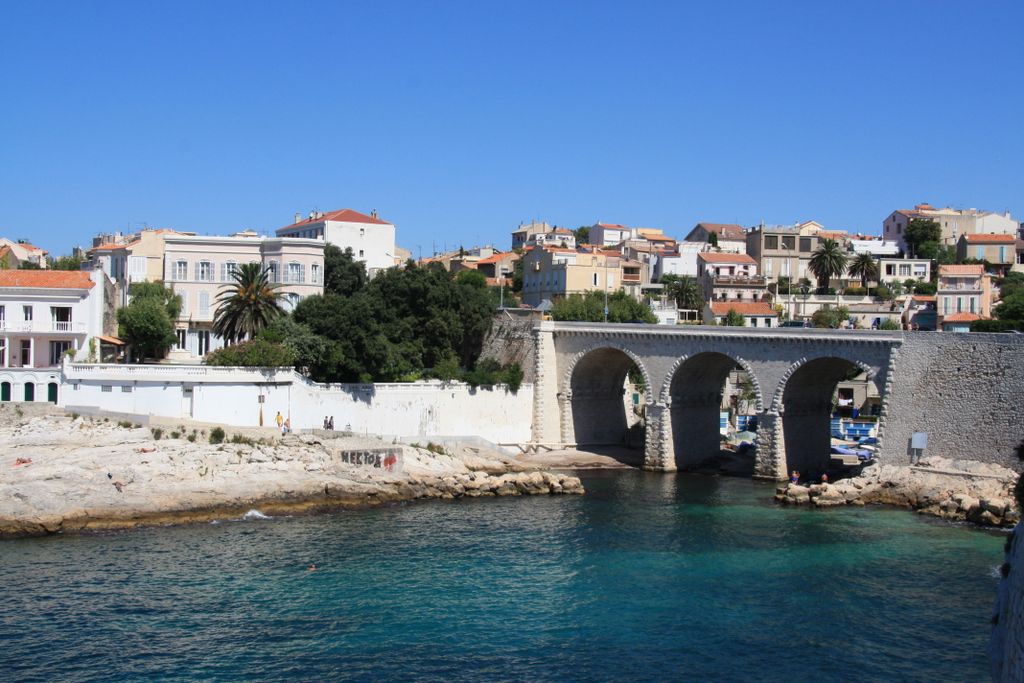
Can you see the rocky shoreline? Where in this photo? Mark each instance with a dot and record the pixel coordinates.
(61, 473)
(959, 490)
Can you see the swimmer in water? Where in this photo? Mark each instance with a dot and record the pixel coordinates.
(311, 568)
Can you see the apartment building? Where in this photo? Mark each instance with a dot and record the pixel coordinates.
(556, 237)
(953, 222)
(556, 272)
(730, 277)
(13, 253)
(198, 268)
(730, 237)
(44, 315)
(371, 239)
(132, 258)
(522, 234)
(998, 250)
(963, 295)
(783, 251)
(892, 270)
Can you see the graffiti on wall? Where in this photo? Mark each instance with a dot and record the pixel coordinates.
(389, 459)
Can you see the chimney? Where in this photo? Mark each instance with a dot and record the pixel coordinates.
(298, 216)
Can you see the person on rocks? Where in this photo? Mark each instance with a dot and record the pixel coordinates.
(330, 424)
(327, 423)
(287, 426)
(279, 420)
(794, 478)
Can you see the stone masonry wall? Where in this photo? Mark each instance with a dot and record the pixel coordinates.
(511, 340)
(964, 390)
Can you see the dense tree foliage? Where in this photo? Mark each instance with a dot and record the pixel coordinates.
(400, 324)
(343, 274)
(921, 231)
(582, 234)
(247, 305)
(589, 307)
(830, 317)
(733, 318)
(66, 263)
(147, 322)
(255, 353)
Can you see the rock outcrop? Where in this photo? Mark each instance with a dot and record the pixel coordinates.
(59, 473)
(952, 489)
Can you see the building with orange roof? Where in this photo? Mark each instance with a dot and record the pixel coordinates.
(783, 251)
(17, 252)
(962, 289)
(45, 315)
(731, 277)
(371, 239)
(999, 250)
(953, 223)
(755, 313)
(727, 236)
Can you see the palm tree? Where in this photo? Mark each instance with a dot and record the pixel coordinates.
(684, 290)
(865, 267)
(827, 261)
(247, 305)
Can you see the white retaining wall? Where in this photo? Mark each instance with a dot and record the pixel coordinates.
(246, 398)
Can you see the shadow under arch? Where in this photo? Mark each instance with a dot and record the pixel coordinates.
(596, 383)
(805, 399)
(694, 390)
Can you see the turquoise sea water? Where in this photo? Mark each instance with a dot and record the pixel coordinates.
(647, 577)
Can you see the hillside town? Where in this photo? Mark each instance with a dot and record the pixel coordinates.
(930, 269)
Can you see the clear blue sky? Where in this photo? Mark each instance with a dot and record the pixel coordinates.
(457, 120)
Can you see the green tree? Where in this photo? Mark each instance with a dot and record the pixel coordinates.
(830, 317)
(28, 265)
(255, 353)
(67, 263)
(827, 261)
(582, 234)
(147, 322)
(1011, 307)
(865, 267)
(733, 318)
(713, 239)
(343, 274)
(889, 324)
(589, 307)
(312, 354)
(1010, 284)
(247, 305)
(920, 231)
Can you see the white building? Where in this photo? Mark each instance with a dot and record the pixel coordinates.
(14, 253)
(873, 247)
(198, 268)
(899, 270)
(682, 261)
(371, 239)
(45, 314)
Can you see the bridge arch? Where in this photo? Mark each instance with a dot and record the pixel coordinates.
(692, 393)
(803, 399)
(592, 398)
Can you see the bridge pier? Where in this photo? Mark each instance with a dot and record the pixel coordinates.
(658, 456)
(770, 463)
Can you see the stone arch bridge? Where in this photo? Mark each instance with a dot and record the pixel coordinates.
(580, 370)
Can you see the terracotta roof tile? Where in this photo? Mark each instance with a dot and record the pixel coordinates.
(969, 269)
(343, 215)
(990, 239)
(46, 279)
(742, 307)
(725, 230)
(961, 317)
(714, 257)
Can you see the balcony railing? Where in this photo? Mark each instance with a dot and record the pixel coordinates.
(749, 280)
(38, 326)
